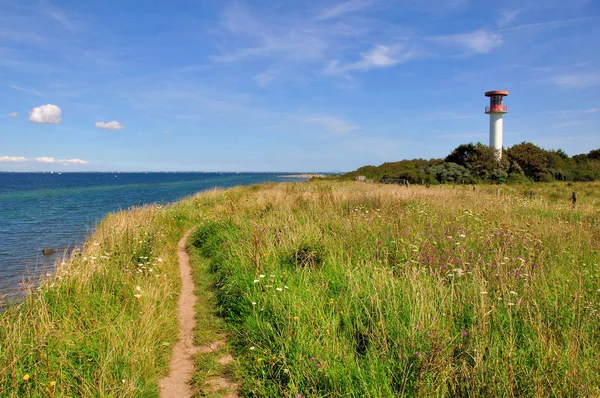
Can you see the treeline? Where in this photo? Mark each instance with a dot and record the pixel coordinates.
(475, 163)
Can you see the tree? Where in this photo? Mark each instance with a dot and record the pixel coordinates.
(594, 154)
(480, 160)
(533, 160)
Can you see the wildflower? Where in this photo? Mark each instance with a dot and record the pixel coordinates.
(52, 383)
(252, 348)
(279, 289)
(256, 281)
(295, 318)
(123, 381)
(331, 301)
(464, 333)
(510, 304)
(512, 292)
(272, 276)
(138, 288)
(462, 235)
(484, 292)
(137, 296)
(26, 377)
(254, 303)
(285, 287)
(261, 275)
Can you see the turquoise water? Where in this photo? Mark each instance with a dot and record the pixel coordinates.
(58, 211)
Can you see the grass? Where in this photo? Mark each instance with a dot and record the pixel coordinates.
(368, 290)
(329, 289)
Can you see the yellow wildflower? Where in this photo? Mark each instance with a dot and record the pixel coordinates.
(26, 377)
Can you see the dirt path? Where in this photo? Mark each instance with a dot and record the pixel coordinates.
(181, 370)
(176, 384)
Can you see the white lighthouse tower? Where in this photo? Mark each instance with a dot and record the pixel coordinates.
(496, 109)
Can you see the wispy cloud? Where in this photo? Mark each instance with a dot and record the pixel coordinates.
(343, 8)
(577, 80)
(56, 13)
(507, 16)
(547, 24)
(379, 56)
(570, 123)
(114, 125)
(13, 114)
(478, 42)
(332, 124)
(45, 114)
(26, 90)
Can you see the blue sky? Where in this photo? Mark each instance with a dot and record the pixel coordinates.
(288, 85)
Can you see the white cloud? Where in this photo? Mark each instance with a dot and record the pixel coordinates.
(12, 159)
(343, 8)
(72, 161)
(45, 159)
(477, 42)
(333, 124)
(168, 132)
(507, 16)
(378, 57)
(114, 125)
(13, 114)
(47, 114)
(65, 162)
(578, 80)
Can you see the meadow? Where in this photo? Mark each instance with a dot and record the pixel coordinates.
(330, 289)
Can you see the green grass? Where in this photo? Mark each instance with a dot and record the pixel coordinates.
(366, 290)
(329, 289)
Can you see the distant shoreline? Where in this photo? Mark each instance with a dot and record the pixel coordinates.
(304, 175)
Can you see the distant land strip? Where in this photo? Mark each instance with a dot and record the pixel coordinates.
(303, 175)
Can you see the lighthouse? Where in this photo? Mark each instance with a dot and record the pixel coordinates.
(496, 109)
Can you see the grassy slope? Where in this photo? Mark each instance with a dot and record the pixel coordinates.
(362, 290)
(103, 325)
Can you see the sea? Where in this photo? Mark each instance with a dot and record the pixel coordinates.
(59, 210)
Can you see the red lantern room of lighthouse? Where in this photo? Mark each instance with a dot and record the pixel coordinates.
(496, 105)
